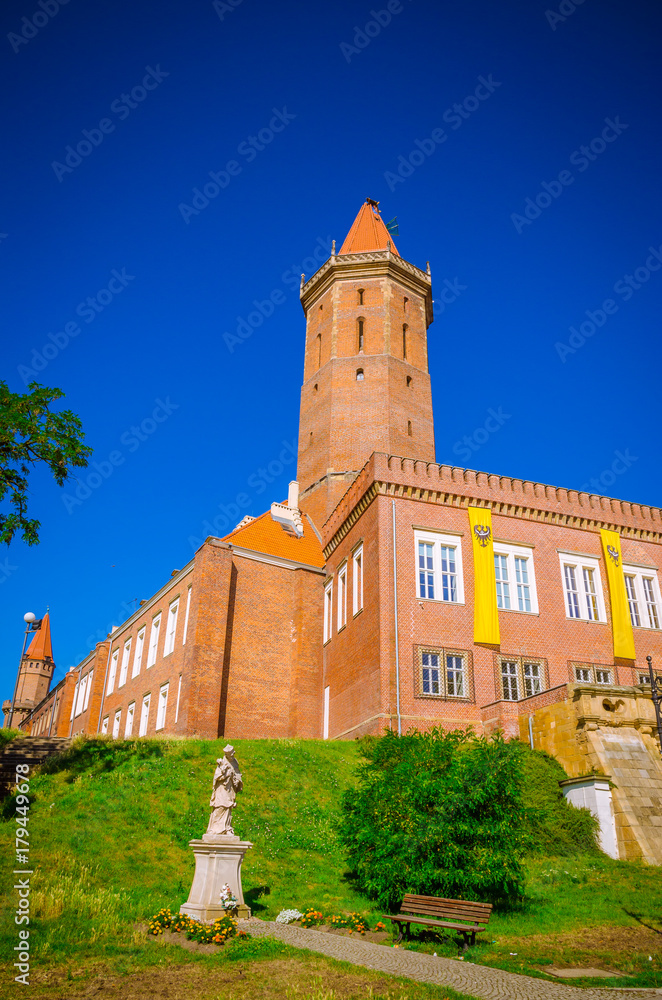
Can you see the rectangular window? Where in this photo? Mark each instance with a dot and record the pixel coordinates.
(583, 674)
(532, 675)
(632, 599)
(592, 673)
(583, 588)
(443, 673)
(342, 597)
(439, 567)
(88, 690)
(328, 611)
(651, 603)
(602, 676)
(357, 581)
(82, 688)
(188, 609)
(163, 705)
(138, 655)
(104, 725)
(144, 716)
(128, 728)
(75, 698)
(179, 692)
(430, 674)
(515, 580)
(124, 670)
(509, 680)
(154, 641)
(171, 628)
(116, 723)
(502, 585)
(113, 672)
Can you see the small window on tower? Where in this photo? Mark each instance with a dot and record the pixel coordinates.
(319, 350)
(361, 291)
(315, 387)
(321, 307)
(409, 428)
(404, 342)
(361, 328)
(408, 380)
(359, 374)
(404, 304)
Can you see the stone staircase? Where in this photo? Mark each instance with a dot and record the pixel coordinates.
(30, 750)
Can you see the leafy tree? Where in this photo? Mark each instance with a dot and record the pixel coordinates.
(437, 813)
(31, 433)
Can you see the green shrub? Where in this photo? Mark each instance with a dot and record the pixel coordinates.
(437, 813)
(554, 827)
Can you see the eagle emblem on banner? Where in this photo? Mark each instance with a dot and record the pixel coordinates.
(482, 533)
(614, 553)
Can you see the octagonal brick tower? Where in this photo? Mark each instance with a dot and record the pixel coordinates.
(366, 385)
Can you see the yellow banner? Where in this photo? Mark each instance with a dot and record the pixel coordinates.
(486, 617)
(621, 622)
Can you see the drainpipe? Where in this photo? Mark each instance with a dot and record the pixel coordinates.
(531, 731)
(395, 604)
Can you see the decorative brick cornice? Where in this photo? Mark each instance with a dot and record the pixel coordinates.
(450, 486)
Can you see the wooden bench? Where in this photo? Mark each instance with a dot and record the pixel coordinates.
(433, 911)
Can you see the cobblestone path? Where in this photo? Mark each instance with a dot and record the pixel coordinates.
(476, 980)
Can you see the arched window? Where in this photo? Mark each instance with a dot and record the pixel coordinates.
(359, 374)
(408, 381)
(361, 292)
(409, 428)
(404, 304)
(319, 350)
(404, 341)
(360, 327)
(315, 386)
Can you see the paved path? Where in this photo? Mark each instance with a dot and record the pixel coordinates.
(476, 980)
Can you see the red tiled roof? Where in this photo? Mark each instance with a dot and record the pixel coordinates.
(40, 648)
(266, 535)
(368, 232)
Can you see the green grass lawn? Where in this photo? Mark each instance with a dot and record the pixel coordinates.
(109, 839)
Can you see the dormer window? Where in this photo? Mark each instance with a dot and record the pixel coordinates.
(359, 374)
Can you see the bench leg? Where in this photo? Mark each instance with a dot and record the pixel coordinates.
(399, 926)
(465, 945)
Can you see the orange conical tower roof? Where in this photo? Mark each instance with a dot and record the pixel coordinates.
(40, 648)
(368, 231)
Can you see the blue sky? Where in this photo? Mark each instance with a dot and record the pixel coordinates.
(163, 96)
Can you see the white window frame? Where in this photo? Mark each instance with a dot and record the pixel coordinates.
(104, 724)
(124, 669)
(82, 688)
(171, 627)
(328, 611)
(138, 655)
(357, 580)
(144, 714)
(128, 725)
(188, 609)
(639, 573)
(523, 680)
(112, 673)
(511, 553)
(440, 540)
(117, 721)
(154, 636)
(162, 706)
(179, 692)
(579, 563)
(593, 670)
(442, 668)
(88, 690)
(342, 596)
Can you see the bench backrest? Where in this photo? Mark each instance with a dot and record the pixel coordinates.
(446, 909)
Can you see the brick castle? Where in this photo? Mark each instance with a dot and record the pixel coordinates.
(355, 605)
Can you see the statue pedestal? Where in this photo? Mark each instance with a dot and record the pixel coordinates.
(217, 862)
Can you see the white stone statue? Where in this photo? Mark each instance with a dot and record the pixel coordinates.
(227, 782)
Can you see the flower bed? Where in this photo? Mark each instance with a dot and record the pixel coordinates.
(217, 933)
(312, 917)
